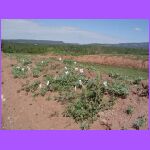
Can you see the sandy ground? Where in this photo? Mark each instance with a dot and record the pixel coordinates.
(21, 111)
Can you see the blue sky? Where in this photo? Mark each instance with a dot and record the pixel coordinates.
(77, 30)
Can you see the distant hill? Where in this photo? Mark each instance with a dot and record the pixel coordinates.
(144, 45)
(132, 45)
(50, 42)
(36, 42)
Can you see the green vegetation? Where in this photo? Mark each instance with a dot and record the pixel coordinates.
(90, 102)
(85, 96)
(114, 75)
(118, 89)
(24, 61)
(139, 122)
(68, 49)
(43, 91)
(19, 72)
(125, 72)
(32, 87)
(66, 81)
(137, 80)
(36, 71)
(129, 110)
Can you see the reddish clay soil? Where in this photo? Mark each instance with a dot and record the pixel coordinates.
(21, 111)
(119, 61)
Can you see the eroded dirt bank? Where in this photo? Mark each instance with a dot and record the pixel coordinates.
(119, 61)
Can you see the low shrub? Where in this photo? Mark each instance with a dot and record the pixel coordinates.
(129, 110)
(139, 122)
(118, 89)
(19, 72)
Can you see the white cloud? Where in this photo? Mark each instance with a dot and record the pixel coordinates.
(137, 29)
(27, 29)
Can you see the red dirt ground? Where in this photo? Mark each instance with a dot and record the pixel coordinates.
(119, 61)
(21, 111)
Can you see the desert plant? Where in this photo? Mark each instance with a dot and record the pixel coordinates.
(139, 122)
(25, 61)
(88, 104)
(137, 80)
(129, 110)
(36, 72)
(84, 125)
(43, 91)
(114, 75)
(118, 89)
(19, 72)
(65, 97)
(32, 87)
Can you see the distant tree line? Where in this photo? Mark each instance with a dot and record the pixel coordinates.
(8, 47)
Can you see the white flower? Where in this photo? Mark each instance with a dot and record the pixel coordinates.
(28, 67)
(23, 60)
(60, 59)
(47, 83)
(66, 72)
(40, 86)
(18, 67)
(22, 69)
(76, 69)
(80, 82)
(81, 70)
(75, 62)
(3, 99)
(105, 83)
(66, 68)
(75, 88)
(42, 62)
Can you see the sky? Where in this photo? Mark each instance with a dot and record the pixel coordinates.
(81, 31)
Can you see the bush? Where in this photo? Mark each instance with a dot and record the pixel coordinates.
(89, 103)
(32, 87)
(25, 61)
(114, 75)
(36, 72)
(129, 110)
(65, 97)
(43, 91)
(65, 82)
(137, 80)
(19, 72)
(139, 122)
(118, 89)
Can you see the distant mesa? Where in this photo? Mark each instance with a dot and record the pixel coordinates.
(50, 42)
